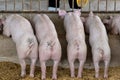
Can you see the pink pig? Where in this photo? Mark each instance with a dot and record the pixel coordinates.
(49, 45)
(98, 40)
(26, 44)
(75, 35)
(113, 24)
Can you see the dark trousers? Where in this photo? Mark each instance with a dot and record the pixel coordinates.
(52, 3)
(75, 4)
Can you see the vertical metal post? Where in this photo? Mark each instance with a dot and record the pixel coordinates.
(106, 5)
(114, 5)
(98, 4)
(30, 5)
(39, 4)
(22, 5)
(81, 4)
(5, 5)
(64, 4)
(48, 4)
(89, 5)
(72, 4)
(56, 5)
(14, 5)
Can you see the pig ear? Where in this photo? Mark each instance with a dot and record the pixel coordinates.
(62, 13)
(77, 12)
(91, 13)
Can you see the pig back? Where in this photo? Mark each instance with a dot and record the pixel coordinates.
(44, 27)
(18, 26)
(96, 29)
(74, 27)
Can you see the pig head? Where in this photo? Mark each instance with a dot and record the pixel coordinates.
(112, 24)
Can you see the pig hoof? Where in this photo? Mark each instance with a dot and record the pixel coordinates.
(105, 76)
(72, 76)
(96, 76)
(32, 75)
(23, 75)
(79, 76)
(54, 78)
(43, 79)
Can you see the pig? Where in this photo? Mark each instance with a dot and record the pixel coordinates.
(98, 40)
(26, 43)
(113, 24)
(75, 36)
(49, 45)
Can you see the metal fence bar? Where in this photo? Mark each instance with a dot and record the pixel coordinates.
(81, 4)
(30, 5)
(39, 4)
(114, 5)
(56, 4)
(64, 4)
(106, 5)
(14, 5)
(55, 12)
(5, 5)
(89, 5)
(72, 4)
(98, 5)
(22, 5)
(48, 4)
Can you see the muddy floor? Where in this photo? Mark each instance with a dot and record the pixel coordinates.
(11, 71)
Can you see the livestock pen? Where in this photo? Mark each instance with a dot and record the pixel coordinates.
(9, 70)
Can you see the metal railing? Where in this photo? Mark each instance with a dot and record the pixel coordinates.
(18, 6)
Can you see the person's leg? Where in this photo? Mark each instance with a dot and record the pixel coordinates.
(75, 4)
(52, 5)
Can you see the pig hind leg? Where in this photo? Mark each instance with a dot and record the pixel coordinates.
(22, 56)
(71, 63)
(56, 59)
(43, 57)
(43, 69)
(33, 57)
(23, 67)
(71, 60)
(81, 64)
(106, 61)
(55, 67)
(82, 59)
(96, 64)
(32, 67)
(96, 60)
